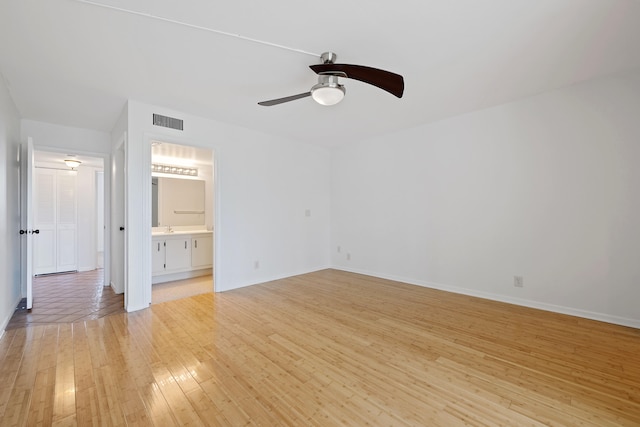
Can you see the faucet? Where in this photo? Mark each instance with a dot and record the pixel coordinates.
(169, 229)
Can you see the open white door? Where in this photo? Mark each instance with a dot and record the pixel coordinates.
(118, 234)
(27, 231)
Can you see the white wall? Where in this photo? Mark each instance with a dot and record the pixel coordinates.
(264, 185)
(100, 216)
(10, 287)
(546, 188)
(76, 140)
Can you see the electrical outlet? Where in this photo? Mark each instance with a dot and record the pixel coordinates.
(307, 213)
(348, 257)
(256, 264)
(518, 281)
(339, 249)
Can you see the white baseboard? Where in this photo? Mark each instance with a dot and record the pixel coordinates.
(113, 287)
(7, 318)
(602, 317)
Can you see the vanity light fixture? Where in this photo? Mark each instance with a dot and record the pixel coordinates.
(175, 170)
(72, 163)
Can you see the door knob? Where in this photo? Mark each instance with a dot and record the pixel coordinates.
(121, 228)
(36, 231)
(23, 231)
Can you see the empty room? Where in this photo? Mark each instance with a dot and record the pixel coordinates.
(384, 214)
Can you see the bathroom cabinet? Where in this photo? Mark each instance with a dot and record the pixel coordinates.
(180, 255)
(177, 253)
(201, 251)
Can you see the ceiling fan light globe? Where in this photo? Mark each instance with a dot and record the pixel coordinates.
(327, 94)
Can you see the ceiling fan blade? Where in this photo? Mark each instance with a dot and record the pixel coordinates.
(285, 99)
(385, 80)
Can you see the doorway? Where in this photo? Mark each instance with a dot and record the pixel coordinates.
(182, 216)
(66, 203)
(79, 245)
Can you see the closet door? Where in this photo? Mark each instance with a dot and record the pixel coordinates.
(55, 215)
(67, 219)
(44, 219)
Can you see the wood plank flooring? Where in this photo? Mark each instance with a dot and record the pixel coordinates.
(169, 291)
(323, 349)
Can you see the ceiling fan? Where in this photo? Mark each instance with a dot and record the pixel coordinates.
(329, 91)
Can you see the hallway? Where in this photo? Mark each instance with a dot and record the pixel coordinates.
(68, 298)
(76, 297)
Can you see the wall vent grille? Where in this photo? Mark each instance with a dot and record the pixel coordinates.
(168, 122)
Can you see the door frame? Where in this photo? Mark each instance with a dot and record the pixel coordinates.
(106, 162)
(148, 138)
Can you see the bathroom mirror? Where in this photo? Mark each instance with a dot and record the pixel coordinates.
(177, 201)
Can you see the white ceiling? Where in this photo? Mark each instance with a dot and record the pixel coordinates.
(46, 158)
(75, 62)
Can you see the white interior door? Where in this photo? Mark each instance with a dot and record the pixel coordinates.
(27, 231)
(44, 219)
(67, 219)
(55, 216)
(118, 207)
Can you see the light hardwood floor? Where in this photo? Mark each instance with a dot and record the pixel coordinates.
(169, 291)
(324, 349)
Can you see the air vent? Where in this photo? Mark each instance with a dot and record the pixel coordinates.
(168, 122)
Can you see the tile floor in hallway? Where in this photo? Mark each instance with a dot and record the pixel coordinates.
(76, 297)
(68, 298)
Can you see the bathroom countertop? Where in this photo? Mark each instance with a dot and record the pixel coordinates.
(179, 232)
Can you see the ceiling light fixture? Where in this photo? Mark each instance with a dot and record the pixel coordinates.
(328, 91)
(72, 163)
